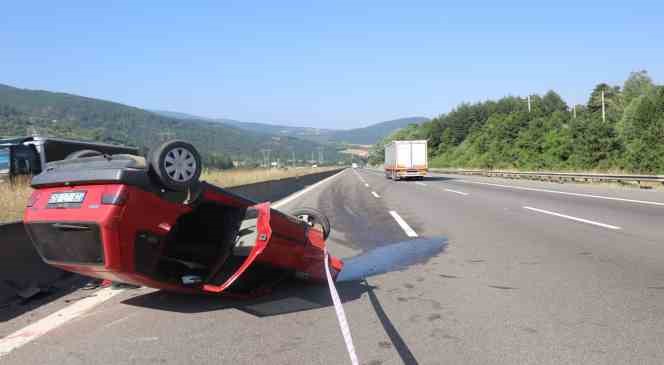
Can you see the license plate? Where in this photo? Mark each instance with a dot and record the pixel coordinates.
(67, 197)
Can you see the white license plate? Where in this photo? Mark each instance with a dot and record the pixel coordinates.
(67, 197)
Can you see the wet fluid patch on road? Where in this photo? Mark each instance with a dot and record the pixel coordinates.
(393, 257)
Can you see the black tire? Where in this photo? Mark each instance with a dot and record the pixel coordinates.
(176, 164)
(314, 217)
(82, 154)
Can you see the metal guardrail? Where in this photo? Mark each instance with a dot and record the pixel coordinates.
(557, 176)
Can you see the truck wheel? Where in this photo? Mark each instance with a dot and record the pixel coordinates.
(314, 218)
(82, 154)
(176, 164)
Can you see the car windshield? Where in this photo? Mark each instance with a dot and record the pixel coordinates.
(4, 160)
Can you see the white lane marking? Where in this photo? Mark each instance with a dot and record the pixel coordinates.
(365, 184)
(406, 228)
(294, 196)
(420, 183)
(41, 327)
(375, 194)
(456, 192)
(46, 324)
(573, 218)
(360, 176)
(341, 314)
(567, 193)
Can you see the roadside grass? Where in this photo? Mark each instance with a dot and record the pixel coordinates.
(235, 177)
(12, 200)
(13, 197)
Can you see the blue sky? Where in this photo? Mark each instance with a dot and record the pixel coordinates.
(335, 64)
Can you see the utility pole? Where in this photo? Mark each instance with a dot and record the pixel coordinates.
(603, 108)
(574, 111)
(528, 103)
(266, 157)
(320, 155)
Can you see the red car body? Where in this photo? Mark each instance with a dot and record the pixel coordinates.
(119, 226)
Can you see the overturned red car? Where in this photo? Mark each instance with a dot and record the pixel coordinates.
(151, 222)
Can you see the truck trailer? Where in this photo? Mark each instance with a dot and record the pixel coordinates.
(406, 159)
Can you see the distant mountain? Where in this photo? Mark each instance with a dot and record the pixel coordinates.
(375, 132)
(73, 116)
(276, 129)
(367, 135)
(178, 115)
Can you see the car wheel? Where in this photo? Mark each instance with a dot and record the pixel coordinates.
(176, 164)
(314, 218)
(82, 154)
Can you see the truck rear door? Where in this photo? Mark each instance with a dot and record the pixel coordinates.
(419, 153)
(404, 155)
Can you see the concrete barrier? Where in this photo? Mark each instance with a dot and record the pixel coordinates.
(21, 267)
(277, 189)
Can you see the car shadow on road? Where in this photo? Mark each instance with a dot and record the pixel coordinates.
(288, 297)
(438, 178)
(16, 306)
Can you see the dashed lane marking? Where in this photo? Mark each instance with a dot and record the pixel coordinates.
(406, 228)
(577, 219)
(456, 192)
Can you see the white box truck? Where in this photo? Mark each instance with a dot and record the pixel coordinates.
(406, 159)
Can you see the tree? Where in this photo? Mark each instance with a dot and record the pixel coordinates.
(637, 84)
(552, 102)
(612, 99)
(644, 133)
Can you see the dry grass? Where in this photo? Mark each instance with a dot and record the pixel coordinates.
(235, 177)
(14, 197)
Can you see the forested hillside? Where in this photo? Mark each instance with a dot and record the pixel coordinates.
(375, 132)
(72, 116)
(503, 134)
(365, 136)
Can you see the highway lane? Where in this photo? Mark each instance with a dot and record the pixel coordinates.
(513, 286)
(574, 292)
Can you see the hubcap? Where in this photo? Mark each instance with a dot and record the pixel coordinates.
(180, 164)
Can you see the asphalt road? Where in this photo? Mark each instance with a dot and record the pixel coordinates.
(536, 273)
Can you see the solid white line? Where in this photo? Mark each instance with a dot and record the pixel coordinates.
(406, 228)
(341, 314)
(359, 176)
(456, 192)
(420, 183)
(44, 325)
(294, 196)
(573, 218)
(566, 193)
(375, 194)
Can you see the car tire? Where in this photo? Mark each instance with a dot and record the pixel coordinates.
(314, 217)
(82, 154)
(176, 164)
